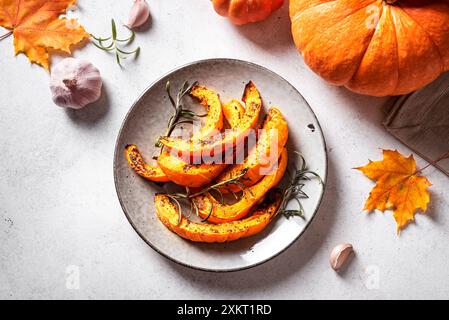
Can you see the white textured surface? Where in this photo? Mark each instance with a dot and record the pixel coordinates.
(58, 205)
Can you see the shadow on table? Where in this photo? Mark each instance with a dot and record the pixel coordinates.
(287, 264)
(272, 34)
(93, 112)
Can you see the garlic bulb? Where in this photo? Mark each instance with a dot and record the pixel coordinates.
(340, 255)
(75, 83)
(139, 14)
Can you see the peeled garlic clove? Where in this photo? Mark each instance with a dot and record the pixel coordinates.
(75, 83)
(340, 255)
(139, 14)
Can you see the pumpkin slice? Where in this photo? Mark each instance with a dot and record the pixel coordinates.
(217, 212)
(149, 172)
(168, 214)
(261, 156)
(220, 142)
(233, 112)
(197, 175)
(214, 118)
(188, 175)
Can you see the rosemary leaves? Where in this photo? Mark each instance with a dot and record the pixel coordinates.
(294, 189)
(113, 43)
(180, 114)
(215, 187)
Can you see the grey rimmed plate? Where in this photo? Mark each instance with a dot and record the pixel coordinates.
(147, 119)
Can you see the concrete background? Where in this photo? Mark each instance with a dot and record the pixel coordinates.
(59, 214)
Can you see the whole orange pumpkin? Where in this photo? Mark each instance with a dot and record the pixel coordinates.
(246, 11)
(373, 47)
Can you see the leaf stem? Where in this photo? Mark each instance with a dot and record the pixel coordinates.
(6, 35)
(434, 162)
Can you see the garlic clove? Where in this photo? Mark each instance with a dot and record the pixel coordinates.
(139, 14)
(75, 83)
(340, 255)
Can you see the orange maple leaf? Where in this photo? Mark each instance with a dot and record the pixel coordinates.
(398, 187)
(37, 28)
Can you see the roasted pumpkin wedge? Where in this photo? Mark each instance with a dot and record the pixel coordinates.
(214, 118)
(219, 142)
(188, 175)
(233, 111)
(168, 214)
(197, 175)
(274, 134)
(136, 161)
(217, 212)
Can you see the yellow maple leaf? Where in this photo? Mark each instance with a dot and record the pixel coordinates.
(398, 187)
(37, 28)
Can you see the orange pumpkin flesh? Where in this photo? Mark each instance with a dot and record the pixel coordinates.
(246, 11)
(274, 134)
(188, 175)
(218, 212)
(204, 146)
(233, 111)
(136, 161)
(214, 118)
(373, 47)
(213, 123)
(168, 214)
(197, 175)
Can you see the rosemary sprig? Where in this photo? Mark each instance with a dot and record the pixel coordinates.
(111, 43)
(224, 184)
(180, 114)
(294, 190)
(215, 187)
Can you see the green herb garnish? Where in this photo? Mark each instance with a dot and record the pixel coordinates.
(294, 190)
(215, 187)
(112, 43)
(180, 114)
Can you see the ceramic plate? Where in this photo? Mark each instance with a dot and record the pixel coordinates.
(147, 119)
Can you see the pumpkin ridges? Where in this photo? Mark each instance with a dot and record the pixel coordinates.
(437, 24)
(424, 32)
(298, 7)
(422, 29)
(334, 51)
(379, 15)
(411, 46)
(325, 17)
(377, 73)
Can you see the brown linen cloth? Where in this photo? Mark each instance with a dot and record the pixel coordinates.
(421, 121)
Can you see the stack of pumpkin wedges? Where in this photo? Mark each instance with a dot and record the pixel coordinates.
(254, 210)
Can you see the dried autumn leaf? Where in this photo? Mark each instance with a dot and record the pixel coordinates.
(36, 27)
(398, 187)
